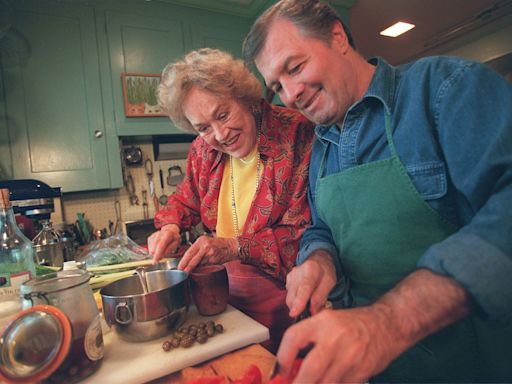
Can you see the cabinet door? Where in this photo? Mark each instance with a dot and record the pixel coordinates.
(53, 97)
(224, 38)
(141, 44)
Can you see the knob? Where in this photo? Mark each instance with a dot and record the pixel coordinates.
(98, 134)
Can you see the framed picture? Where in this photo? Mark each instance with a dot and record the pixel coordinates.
(139, 94)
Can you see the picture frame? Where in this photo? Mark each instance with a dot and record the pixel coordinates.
(139, 94)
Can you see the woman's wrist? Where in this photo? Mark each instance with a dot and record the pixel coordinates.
(236, 249)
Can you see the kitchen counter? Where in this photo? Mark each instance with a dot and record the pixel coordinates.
(129, 362)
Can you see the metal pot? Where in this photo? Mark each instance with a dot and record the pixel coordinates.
(138, 316)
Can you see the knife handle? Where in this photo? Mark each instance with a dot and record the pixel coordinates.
(161, 174)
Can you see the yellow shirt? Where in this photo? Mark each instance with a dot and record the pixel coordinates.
(244, 176)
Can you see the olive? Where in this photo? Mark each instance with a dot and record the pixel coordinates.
(202, 332)
(185, 337)
(175, 342)
(167, 346)
(187, 341)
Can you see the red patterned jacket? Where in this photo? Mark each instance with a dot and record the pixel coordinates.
(279, 213)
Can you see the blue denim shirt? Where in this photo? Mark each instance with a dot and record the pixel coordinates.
(452, 127)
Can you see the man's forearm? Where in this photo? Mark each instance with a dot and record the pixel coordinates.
(421, 304)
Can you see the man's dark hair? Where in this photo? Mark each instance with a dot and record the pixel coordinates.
(312, 17)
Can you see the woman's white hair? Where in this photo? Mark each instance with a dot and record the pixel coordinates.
(211, 70)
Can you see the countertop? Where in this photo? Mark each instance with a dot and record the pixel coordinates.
(129, 362)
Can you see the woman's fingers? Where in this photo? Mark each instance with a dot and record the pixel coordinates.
(163, 242)
(191, 258)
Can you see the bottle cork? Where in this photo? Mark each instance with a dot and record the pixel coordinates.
(5, 203)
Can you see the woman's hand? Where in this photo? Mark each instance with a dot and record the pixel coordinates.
(164, 242)
(209, 250)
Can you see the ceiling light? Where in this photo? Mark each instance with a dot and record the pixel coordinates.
(397, 29)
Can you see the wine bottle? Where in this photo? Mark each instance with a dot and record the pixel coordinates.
(16, 253)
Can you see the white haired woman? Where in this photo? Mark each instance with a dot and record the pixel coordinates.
(246, 180)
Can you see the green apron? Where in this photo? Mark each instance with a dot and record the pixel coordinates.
(381, 227)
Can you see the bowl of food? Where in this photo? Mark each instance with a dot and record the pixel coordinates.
(148, 306)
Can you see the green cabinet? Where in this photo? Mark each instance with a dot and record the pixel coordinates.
(53, 100)
(61, 95)
(146, 43)
(141, 44)
(224, 38)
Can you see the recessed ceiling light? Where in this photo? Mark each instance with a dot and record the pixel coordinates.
(397, 29)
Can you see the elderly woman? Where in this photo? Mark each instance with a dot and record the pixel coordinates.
(246, 182)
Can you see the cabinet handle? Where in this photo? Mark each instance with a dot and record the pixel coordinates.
(98, 134)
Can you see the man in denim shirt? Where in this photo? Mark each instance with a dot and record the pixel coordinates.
(411, 197)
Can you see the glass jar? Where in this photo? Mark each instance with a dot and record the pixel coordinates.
(52, 303)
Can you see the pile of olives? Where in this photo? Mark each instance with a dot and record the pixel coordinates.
(185, 337)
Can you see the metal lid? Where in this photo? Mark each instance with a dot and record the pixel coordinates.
(54, 282)
(47, 236)
(34, 344)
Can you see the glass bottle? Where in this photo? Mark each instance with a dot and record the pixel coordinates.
(16, 253)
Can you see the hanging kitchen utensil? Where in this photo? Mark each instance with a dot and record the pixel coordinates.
(118, 225)
(132, 156)
(163, 197)
(161, 174)
(148, 165)
(145, 209)
(175, 175)
(130, 187)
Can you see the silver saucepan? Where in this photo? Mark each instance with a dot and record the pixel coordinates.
(138, 316)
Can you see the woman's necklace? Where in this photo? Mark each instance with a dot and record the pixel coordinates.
(232, 177)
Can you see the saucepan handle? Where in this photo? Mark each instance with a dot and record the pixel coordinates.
(123, 314)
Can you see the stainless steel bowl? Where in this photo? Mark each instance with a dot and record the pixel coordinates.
(138, 316)
(163, 265)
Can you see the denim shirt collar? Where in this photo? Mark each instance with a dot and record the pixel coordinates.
(382, 87)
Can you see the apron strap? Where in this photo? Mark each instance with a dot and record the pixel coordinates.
(389, 133)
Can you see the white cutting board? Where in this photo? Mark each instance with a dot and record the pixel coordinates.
(126, 362)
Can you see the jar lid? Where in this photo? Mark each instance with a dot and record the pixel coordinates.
(34, 344)
(54, 282)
